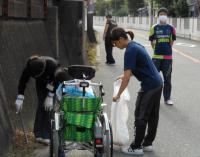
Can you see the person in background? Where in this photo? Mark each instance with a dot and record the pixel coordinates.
(47, 73)
(110, 24)
(138, 63)
(162, 37)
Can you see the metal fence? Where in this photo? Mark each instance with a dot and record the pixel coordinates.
(185, 27)
(186, 23)
(174, 22)
(198, 24)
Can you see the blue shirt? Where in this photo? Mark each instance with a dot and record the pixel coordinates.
(163, 35)
(139, 62)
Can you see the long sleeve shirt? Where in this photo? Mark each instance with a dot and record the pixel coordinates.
(46, 75)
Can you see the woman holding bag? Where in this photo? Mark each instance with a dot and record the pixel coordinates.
(137, 62)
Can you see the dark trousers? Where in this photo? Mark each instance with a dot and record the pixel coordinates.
(109, 49)
(165, 66)
(42, 118)
(146, 114)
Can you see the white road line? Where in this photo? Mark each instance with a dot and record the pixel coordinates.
(187, 56)
(185, 45)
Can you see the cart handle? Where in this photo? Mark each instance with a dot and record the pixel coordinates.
(67, 83)
(71, 83)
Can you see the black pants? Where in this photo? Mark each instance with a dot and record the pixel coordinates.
(146, 114)
(165, 66)
(42, 118)
(109, 49)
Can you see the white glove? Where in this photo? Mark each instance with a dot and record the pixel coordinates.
(48, 103)
(19, 103)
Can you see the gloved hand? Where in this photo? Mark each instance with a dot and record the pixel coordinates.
(19, 102)
(48, 103)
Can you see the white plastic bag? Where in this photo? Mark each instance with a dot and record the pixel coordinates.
(119, 116)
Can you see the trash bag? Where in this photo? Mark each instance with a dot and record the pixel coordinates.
(119, 116)
(78, 91)
(74, 91)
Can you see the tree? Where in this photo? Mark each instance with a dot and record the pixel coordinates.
(123, 10)
(118, 6)
(182, 8)
(114, 7)
(169, 4)
(164, 3)
(102, 7)
(134, 5)
(175, 7)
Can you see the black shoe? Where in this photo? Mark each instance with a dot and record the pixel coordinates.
(110, 63)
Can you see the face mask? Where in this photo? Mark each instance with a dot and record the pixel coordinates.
(163, 18)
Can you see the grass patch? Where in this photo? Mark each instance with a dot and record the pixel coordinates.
(91, 49)
(20, 147)
(91, 52)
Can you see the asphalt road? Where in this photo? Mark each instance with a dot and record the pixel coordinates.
(178, 131)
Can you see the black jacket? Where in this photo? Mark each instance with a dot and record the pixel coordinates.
(111, 25)
(42, 70)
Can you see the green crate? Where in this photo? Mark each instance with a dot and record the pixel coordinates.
(80, 114)
(80, 104)
(80, 119)
(78, 134)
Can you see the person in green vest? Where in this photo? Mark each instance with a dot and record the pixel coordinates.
(162, 37)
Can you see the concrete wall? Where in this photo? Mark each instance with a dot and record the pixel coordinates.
(18, 40)
(5, 122)
(185, 27)
(61, 38)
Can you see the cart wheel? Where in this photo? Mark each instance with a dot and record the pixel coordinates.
(108, 142)
(107, 139)
(54, 141)
(111, 141)
(98, 152)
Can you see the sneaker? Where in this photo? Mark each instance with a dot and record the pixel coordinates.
(169, 102)
(130, 151)
(38, 139)
(46, 141)
(148, 148)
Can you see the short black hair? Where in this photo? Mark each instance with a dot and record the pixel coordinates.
(36, 65)
(163, 9)
(109, 16)
(61, 74)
